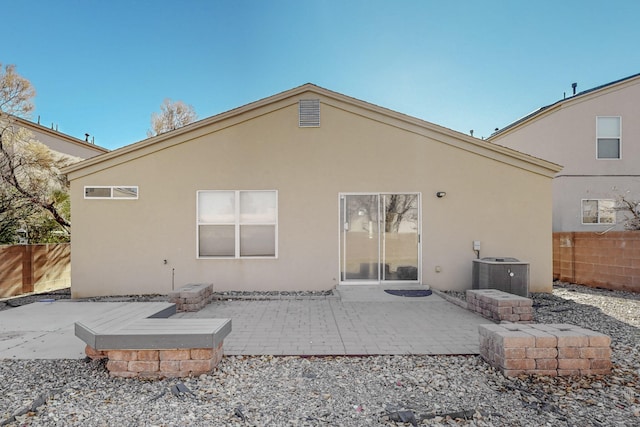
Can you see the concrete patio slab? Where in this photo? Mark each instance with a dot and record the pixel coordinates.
(370, 324)
(46, 330)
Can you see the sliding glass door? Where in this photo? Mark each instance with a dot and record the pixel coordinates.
(379, 237)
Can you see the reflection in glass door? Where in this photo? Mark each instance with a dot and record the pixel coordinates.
(400, 238)
(379, 238)
(360, 237)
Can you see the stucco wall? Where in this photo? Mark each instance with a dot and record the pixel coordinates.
(568, 193)
(119, 246)
(82, 151)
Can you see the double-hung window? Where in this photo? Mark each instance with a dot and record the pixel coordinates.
(609, 131)
(237, 224)
(600, 211)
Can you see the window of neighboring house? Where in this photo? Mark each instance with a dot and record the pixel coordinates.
(598, 211)
(237, 224)
(111, 192)
(609, 131)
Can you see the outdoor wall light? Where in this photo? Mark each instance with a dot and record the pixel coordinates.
(440, 194)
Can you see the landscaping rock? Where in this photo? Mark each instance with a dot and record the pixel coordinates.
(348, 391)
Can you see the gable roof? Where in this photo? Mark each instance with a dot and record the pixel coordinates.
(615, 85)
(37, 127)
(335, 99)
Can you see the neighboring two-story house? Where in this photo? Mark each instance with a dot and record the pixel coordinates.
(59, 142)
(595, 135)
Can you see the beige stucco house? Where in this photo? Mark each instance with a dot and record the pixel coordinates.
(306, 190)
(595, 135)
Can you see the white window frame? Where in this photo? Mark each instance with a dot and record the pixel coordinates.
(615, 217)
(236, 223)
(598, 137)
(111, 192)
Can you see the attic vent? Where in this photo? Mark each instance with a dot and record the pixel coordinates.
(309, 113)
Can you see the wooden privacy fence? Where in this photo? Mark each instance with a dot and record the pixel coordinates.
(610, 260)
(34, 268)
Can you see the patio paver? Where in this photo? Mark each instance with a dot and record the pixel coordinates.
(397, 325)
(377, 324)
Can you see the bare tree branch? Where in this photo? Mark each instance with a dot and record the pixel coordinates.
(629, 206)
(16, 93)
(173, 115)
(30, 177)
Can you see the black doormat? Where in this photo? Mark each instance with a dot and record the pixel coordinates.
(408, 292)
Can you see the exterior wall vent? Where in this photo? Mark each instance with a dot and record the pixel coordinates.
(309, 113)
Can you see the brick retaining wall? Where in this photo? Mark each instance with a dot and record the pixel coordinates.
(545, 349)
(192, 297)
(498, 305)
(162, 363)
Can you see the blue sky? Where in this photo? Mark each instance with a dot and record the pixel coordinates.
(103, 67)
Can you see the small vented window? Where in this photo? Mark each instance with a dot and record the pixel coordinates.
(111, 192)
(309, 113)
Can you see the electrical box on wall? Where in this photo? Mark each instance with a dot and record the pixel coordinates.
(476, 245)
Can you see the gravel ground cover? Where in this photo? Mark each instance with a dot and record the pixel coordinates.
(347, 391)
(8, 303)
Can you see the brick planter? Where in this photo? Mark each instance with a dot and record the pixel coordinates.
(500, 306)
(538, 349)
(193, 297)
(155, 364)
(141, 341)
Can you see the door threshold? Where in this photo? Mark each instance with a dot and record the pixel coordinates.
(397, 285)
(383, 285)
(363, 293)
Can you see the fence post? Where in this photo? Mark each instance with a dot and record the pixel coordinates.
(27, 269)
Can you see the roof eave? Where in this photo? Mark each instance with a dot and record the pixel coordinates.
(140, 145)
(560, 103)
(439, 133)
(57, 134)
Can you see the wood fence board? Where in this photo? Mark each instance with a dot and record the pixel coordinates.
(29, 268)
